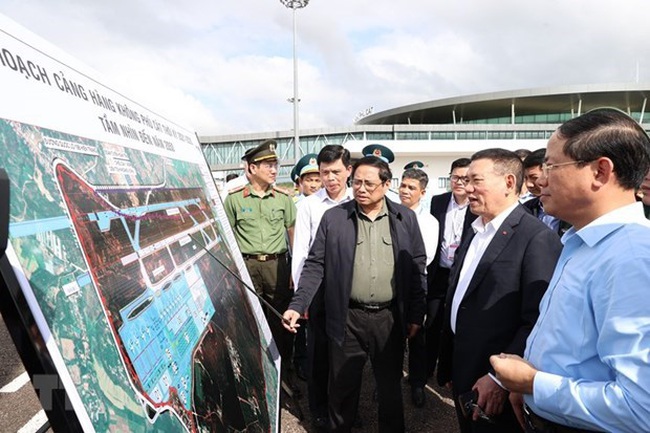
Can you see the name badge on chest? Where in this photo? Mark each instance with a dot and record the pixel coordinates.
(451, 251)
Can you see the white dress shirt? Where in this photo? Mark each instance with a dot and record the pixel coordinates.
(429, 229)
(310, 211)
(484, 235)
(454, 222)
(526, 197)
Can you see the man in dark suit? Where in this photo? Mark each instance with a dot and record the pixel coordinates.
(501, 271)
(369, 257)
(454, 219)
(532, 172)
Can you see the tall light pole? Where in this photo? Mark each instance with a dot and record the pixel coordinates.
(293, 5)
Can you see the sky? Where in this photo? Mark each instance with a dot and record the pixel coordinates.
(226, 67)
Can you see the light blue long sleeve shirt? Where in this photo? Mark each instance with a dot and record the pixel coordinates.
(591, 342)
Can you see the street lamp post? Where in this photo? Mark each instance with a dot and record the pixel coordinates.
(293, 5)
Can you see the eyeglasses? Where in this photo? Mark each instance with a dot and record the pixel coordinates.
(547, 167)
(463, 180)
(370, 187)
(270, 165)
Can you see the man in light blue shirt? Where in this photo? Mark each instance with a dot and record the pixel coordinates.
(587, 360)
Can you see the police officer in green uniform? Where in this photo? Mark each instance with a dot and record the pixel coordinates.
(261, 215)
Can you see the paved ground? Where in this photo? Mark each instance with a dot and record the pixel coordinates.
(437, 415)
(20, 409)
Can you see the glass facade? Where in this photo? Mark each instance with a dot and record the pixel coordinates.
(522, 119)
(230, 153)
(440, 135)
(534, 135)
(379, 136)
(472, 135)
(490, 121)
(500, 135)
(419, 135)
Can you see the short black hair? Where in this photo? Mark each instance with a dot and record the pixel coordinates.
(535, 159)
(522, 153)
(417, 174)
(231, 176)
(460, 163)
(610, 133)
(334, 152)
(505, 162)
(385, 174)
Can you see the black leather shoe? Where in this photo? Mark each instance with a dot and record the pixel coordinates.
(320, 424)
(417, 396)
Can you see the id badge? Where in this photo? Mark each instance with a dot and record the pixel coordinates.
(451, 251)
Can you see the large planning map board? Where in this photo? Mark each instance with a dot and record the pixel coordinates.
(122, 249)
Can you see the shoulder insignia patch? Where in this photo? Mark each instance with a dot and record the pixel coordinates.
(281, 190)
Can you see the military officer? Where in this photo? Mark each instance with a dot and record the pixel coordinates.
(305, 174)
(386, 155)
(414, 164)
(296, 185)
(261, 215)
(425, 200)
(381, 152)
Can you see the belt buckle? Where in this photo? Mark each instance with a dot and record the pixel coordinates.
(263, 257)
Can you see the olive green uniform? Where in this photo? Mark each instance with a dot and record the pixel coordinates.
(260, 224)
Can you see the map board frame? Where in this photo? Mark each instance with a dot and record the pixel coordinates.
(128, 297)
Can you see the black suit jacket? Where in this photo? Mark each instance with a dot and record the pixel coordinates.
(534, 206)
(439, 205)
(331, 259)
(501, 304)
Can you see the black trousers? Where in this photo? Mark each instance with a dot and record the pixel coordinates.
(300, 346)
(317, 360)
(423, 348)
(375, 335)
(271, 281)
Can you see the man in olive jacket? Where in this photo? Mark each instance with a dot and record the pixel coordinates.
(369, 257)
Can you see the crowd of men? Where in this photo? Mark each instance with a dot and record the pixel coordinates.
(523, 289)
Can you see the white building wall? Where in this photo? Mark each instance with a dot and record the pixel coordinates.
(437, 155)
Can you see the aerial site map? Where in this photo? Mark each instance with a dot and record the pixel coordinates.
(128, 261)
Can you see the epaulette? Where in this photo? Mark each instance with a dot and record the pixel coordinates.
(282, 190)
(237, 189)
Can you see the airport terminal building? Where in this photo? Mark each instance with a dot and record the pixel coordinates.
(437, 132)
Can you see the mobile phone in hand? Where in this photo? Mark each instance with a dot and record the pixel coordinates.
(468, 405)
